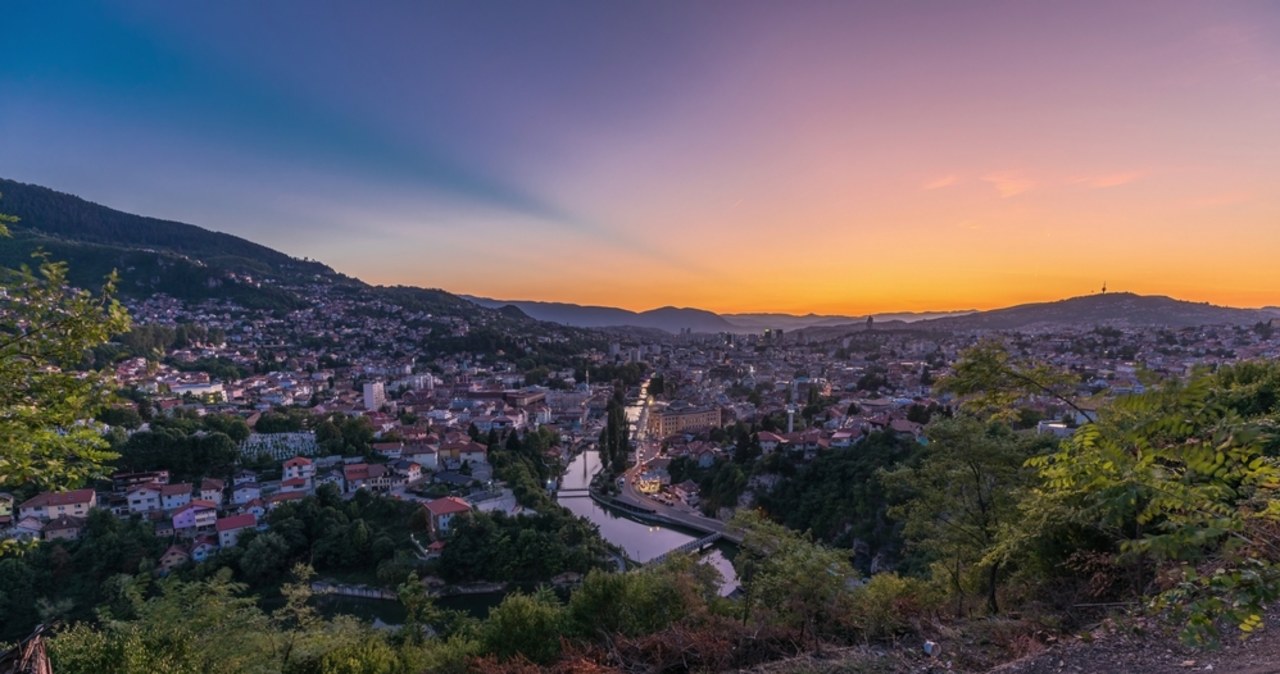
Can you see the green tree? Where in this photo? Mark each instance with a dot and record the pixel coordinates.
(46, 328)
(526, 625)
(793, 581)
(963, 490)
(1177, 484)
(991, 381)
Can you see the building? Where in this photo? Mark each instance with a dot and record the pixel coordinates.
(48, 505)
(299, 468)
(246, 492)
(230, 528)
(680, 417)
(123, 481)
(211, 490)
(196, 516)
(375, 395)
(63, 528)
(144, 498)
(372, 476)
(203, 548)
(441, 512)
(6, 508)
(174, 496)
(172, 558)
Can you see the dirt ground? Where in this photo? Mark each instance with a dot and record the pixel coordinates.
(1151, 655)
(1107, 649)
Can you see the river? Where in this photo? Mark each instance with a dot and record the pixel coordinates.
(642, 542)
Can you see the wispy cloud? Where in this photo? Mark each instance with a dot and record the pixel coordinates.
(1107, 180)
(1009, 183)
(944, 181)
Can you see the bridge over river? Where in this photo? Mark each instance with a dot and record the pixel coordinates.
(644, 533)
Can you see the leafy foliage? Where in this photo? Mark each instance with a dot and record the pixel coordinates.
(1176, 479)
(992, 381)
(963, 491)
(496, 546)
(46, 328)
(841, 498)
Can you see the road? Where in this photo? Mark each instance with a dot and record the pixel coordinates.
(647, 449)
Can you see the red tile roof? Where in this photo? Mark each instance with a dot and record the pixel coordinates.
(58, 498)
(237, 522)
(447, 506)
(175, 489)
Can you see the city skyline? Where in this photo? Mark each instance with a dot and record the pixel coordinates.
(734, 157)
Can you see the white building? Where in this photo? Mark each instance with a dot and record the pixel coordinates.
(375, 395)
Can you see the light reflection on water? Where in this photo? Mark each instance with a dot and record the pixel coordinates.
(642, 542)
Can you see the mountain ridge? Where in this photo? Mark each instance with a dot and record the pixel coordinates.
(1115, 309)
(191, 262)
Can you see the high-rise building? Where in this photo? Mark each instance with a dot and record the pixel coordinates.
(375, 395)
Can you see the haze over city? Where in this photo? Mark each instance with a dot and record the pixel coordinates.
(734, 156)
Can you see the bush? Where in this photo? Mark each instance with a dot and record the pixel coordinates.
(888, 606)
(526, 625)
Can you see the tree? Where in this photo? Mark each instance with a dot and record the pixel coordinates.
(265, 557)
(1177, 479)
(992, 381)
(527, 625)
(46, 327)
(796, 582)
(963, 490)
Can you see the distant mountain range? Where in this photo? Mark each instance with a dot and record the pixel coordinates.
(190, 262)
(669, 319)
(677, 319)
(1114, 309)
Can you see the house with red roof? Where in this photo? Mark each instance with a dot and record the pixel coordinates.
(298, 485)
(63, 527)
(373, 476)
(257, 507)
(440, 514)
(299, 467)
(274, 500)
(174, 496)
(144, 498)
(770, 441)
(211, 490)
(230, 528)
(391, 450)
(50, 504)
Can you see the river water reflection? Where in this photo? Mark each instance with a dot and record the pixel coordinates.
(642, 542)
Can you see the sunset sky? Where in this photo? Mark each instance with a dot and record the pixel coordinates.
(835, 157)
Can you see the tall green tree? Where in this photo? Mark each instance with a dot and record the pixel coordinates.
(46, 329)
(962, 491)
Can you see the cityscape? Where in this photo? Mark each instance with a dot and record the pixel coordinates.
(719, 356)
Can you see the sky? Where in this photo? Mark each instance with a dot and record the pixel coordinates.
(735, 155)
